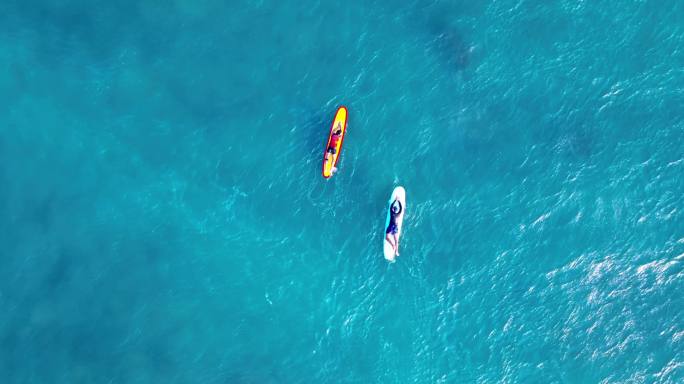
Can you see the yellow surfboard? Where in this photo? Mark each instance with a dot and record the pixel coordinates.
(338, 129)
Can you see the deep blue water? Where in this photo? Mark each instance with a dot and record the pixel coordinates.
(163, 218)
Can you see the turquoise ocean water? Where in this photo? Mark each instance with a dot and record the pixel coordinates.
(163, 218)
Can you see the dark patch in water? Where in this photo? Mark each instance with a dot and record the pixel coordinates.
(43, 212)
(575, 145)
(316, 127)
(206, 103)
(581, 144)
(253, 369)
(77, 26)
(368, 197)
(447, 41)
(453, 48)
(59, 271)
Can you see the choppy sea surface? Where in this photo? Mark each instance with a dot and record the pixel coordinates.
(163, 218)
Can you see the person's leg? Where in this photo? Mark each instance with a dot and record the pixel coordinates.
(396, 246)
(388, 237)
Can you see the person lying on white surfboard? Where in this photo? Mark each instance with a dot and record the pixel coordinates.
(332, 149)
(392, 228)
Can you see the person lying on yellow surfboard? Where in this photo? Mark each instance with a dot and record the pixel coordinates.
(332, 148)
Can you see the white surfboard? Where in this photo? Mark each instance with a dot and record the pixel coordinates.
(398, 194)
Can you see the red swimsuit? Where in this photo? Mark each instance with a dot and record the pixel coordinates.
(333, 141)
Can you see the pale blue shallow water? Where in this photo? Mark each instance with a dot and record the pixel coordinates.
(163, 218)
